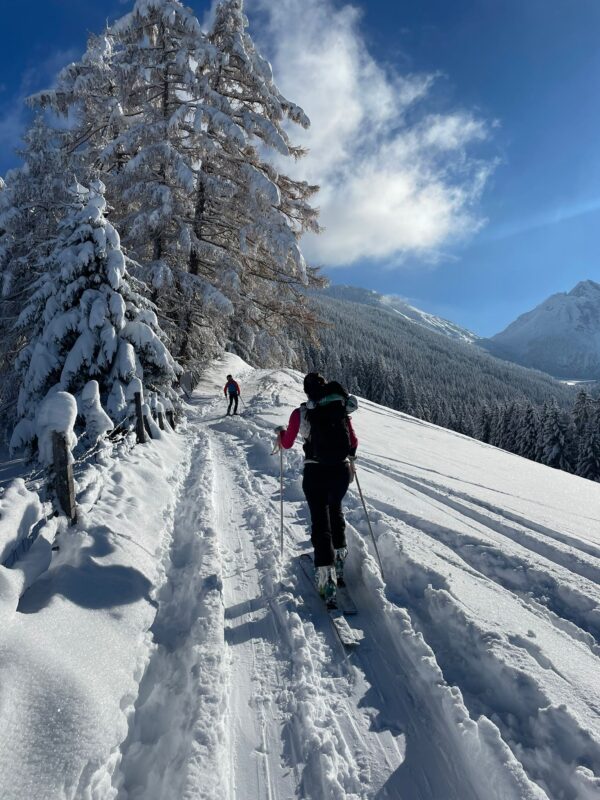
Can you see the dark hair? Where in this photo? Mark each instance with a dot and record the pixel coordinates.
(313, 385)
(336, 388)
(229, 376)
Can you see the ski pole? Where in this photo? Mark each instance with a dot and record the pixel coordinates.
(277, 447)
(364, 505)
(281, 495)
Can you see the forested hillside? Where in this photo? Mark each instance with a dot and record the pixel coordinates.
(402, 308)
(399, 363)
(404, 366)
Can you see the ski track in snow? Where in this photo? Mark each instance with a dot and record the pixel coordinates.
(175, 731)
(433, 692)
(477, 678)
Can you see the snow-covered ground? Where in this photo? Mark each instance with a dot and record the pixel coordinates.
(169, 652)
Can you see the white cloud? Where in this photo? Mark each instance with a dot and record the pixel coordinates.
(394, 182)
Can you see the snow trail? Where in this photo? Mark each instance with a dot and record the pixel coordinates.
(363, 753)
(175, 731)
(476, 678)
(256, 670)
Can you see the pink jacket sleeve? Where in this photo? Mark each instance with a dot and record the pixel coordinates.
(288, 437)
(353, 438)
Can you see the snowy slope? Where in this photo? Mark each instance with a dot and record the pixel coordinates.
(403, 309)
(561, 336)
(169, 653)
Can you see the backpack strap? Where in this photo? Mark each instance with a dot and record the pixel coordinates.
(304, 430)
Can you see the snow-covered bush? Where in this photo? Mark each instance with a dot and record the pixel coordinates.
(89, 324)
(56, 414)
(97, 421)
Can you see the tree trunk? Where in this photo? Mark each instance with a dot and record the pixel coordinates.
(198, 220)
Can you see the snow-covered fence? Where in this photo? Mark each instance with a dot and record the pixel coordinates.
(54, 430)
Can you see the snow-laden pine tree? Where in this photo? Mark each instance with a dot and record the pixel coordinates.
(129, 101)
(529, 434)
(87, 94)
(557, 443)
(88, 323)
(483, 425)
(588, 460)
(583, 412)
(32, 201)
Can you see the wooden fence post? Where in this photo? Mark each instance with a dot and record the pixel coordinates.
(171, 418)
(161, 422)
(147, 426)
(139, 425)
(63, 476)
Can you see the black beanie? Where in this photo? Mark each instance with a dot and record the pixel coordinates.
(313, 383)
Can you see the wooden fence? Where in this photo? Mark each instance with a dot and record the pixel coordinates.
(62, 480)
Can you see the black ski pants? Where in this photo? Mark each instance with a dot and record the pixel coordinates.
(324, 488)
(233, 399)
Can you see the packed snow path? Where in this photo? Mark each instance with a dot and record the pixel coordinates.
(477, 678)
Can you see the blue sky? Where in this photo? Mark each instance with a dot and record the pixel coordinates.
(513, 83)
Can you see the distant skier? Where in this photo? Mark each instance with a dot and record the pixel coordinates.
(233, 390)
(329, 449)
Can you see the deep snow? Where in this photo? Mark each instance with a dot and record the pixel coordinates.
(168, 652)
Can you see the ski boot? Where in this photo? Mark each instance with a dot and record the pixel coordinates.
(327, 585)
(340, 557)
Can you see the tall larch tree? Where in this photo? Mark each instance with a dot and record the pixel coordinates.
(180, 125)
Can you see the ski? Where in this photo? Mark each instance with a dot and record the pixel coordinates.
(349, 637)
(345, 601)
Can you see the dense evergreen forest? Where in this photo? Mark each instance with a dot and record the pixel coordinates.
(400, 364)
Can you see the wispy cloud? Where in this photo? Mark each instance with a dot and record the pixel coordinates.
(396, 180)
(545, 219)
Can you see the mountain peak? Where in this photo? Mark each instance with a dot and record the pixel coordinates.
(587, 288)
(560, 336)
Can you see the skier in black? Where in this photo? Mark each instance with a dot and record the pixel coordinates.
(329, 449)
(232, 389)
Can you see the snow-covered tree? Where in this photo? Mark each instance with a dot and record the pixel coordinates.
(262, 220)
(588, 459)
(582, 411)
(557, 441)
(88, 323)
(588, 462)
(529, 433)
(180, 125)
(32, 201)
(483, 426)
